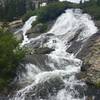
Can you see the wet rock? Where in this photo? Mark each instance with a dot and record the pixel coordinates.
(39, 60)
(19, 35)
(15, 24)
(39, 41)
(90, 54)
(45, 50)
(39, 29)
(48, 87)
(97, 23)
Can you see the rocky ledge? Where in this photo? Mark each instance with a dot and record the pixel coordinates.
(90, 54)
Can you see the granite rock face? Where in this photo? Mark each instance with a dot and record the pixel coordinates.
(90, 54)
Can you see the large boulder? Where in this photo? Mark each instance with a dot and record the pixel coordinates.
(37, 29)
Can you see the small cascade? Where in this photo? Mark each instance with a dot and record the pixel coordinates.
(58, 83)
(27, 26)
(73, 22)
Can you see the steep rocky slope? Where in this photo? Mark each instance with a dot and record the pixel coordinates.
(90, 54)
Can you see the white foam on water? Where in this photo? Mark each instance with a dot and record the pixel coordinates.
(70, 22)
(27, 26)
(65, 28)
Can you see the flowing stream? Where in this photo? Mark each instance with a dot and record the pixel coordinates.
(59, 82)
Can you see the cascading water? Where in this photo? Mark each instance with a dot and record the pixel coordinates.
(26, 27)
(59, 83)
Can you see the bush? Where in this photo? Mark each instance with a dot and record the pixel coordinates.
(52, 11)
(94, 11)
(10, 57)
(93, 8)
(28, 15)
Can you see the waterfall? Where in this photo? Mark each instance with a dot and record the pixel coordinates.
(26, 27)
(59, 83)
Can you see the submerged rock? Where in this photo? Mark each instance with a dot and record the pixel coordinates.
(46, 88)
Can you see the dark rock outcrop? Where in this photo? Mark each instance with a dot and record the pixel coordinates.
(39, 28)
(46, 88)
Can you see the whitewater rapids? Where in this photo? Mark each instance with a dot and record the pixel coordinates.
(63, 65)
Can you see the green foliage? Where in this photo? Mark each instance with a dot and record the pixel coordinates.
(44, 28)
(13, 9)
(49, 12)
(93, 8)
(52, 11)
(10, 57)
(28, 15)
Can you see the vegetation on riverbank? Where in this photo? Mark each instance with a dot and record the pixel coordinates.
(92, 7)
(90, 55)
(14, 9)
(10, 57)
(49, 12)
(53, 10)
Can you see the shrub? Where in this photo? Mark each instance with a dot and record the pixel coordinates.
(10, 57)
(93, 8)
(52, 11)
(28, 15)
(49, 12)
